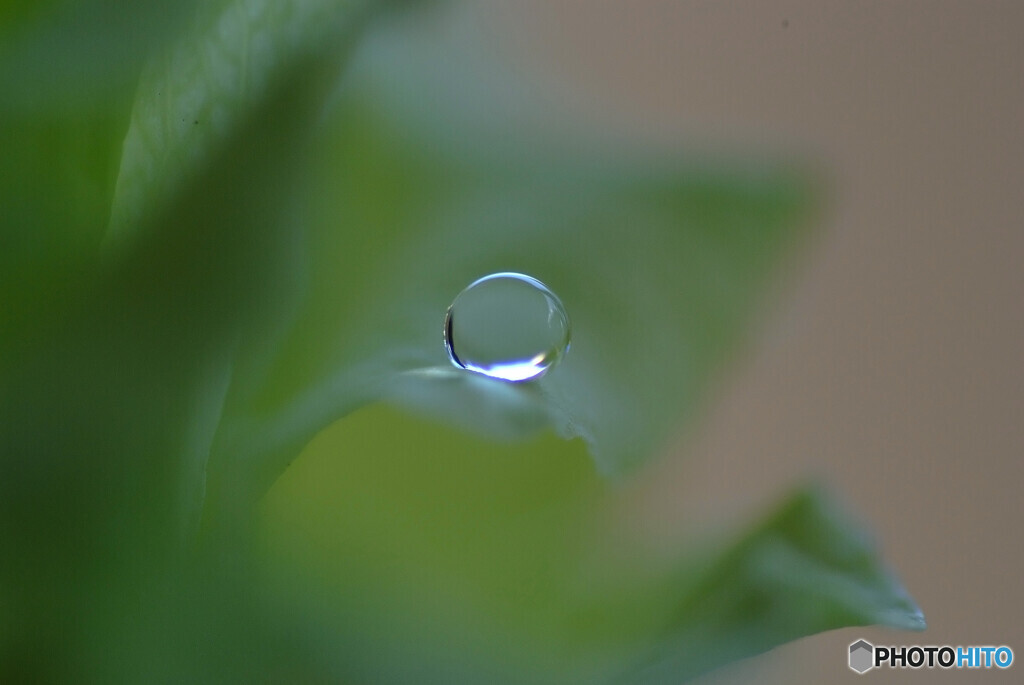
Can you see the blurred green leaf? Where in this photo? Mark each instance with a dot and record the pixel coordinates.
(111, 393)
(56, 179)
(80, 52)
(659, 262)
(204, 218)
(435, 555)
(67, 72)
(196, 93)
(443, 543)
(805, 570)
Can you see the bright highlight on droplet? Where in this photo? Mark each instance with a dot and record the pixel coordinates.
(508, 326)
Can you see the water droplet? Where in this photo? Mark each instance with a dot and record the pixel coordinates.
(508, 326)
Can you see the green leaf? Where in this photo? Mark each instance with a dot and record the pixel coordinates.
(67, 72)
(661, 263)
(56, 178)
(108, 411)
(81, 52)
(431, 550)
(196, 93)
(204, 218)
(437, 542)
(805, 570)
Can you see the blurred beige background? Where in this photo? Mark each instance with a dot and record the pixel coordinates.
(893, 364)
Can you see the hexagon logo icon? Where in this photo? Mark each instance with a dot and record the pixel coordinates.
(862, 656)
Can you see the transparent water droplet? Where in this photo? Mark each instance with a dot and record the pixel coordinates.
(508, 326)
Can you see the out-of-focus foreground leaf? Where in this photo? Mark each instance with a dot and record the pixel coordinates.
(193, 96)
(67, 75)
(111, 389)
(80, 52)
